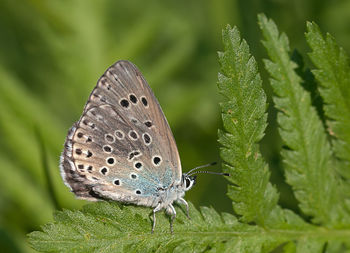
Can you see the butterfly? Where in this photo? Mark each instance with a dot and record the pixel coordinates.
(122, 147)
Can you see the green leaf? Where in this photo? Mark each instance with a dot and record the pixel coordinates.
(333, 74)
(109, 227)
(307, 157)
(244, 119)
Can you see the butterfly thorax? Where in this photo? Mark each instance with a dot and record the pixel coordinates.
(167, 196)
(175, 191)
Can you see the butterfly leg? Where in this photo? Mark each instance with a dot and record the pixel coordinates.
(171, 211)
(156, 209)
(182, 201)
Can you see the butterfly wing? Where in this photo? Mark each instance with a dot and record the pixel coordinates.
(122, 147)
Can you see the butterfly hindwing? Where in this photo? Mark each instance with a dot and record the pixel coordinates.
(122, 147)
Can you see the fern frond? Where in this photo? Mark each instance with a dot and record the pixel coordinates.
(307, 156)
(333, 74)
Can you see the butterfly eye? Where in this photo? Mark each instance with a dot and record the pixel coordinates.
(188, 182)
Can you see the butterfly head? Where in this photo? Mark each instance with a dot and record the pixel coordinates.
(188, 181)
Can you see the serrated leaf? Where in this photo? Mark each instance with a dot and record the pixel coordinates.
(110, 227)
(308, 159)
(333, 74)
(244, 118)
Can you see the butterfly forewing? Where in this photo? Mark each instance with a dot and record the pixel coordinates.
(122, 147)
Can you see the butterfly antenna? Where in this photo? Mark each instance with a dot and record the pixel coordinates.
(210, 172)
(193, 171)
(202, 166)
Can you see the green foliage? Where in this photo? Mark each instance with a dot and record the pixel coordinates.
(333, 75)
(309, 167)
(244, 120)
(109, 227)
(260, 224)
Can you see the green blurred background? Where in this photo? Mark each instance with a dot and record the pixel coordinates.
(53, 52)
